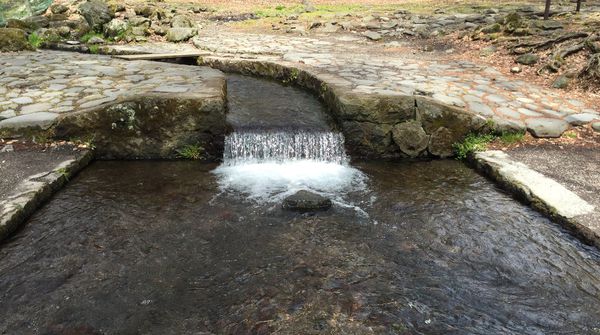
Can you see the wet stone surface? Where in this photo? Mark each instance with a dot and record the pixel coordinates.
(150, 247)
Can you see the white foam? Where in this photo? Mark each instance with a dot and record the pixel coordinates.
(273, 181)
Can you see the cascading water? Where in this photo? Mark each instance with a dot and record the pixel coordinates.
(283, 146)
(267, 163)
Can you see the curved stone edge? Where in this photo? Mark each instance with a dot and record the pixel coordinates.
(33, 192)
(128, 127)
(543, 194)
(371, 123)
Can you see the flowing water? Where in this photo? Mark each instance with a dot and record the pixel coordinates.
(282, 143)
(172, 248)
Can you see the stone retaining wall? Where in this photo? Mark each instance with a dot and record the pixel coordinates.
(375, 126)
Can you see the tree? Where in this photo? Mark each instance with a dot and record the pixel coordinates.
(578, 6)
(547, 9)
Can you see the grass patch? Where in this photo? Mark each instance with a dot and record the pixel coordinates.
(190, 151)
(511, 137)
(570, 134)
(35, 40)
(85, 38)
(94, 49)
(472, 143)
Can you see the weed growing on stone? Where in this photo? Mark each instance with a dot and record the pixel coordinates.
(63, 172)
(85, 38)
(35, 40)
(190, 151)
(94, 49)
(470, 144)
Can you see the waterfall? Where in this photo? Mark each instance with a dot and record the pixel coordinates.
(284, 146)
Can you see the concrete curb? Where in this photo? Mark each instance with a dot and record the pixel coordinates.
(542, 193)
(31, 193)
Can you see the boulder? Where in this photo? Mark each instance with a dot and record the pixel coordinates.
(144, 10)
(596, 126)
(373, 36)
(546, 127)
(305, 201)
(492, 28)
(410, 138)
(441, 142)
(59, 8)
(180, 34)
(12, 39)
(96, 13)
(527, 59)
(561, 82)
(181, 21)
(115, 27)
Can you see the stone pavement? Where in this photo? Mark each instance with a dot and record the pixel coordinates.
(366, 68)
(131, 109)
(36, 87)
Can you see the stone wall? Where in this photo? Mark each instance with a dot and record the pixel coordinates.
(375, 126)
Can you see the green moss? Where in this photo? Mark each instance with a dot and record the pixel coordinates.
(470, 144)
(190, 151)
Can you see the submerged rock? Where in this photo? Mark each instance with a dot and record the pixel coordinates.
(305, 201)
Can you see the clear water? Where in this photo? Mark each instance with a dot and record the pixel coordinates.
(193, 248)
(143, 248)
(297, 151)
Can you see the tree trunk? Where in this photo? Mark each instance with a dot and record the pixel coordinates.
(578, 6)
(547, 10)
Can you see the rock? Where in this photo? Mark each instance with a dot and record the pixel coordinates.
(561, 82)
(374, 36)
(441, 142)
(139, 22)
(527, 59)
(515, 69)
(305, 201)
(549, 25)
(96, 13)
(181, 21)
(513, 21)
(12, 39)
(596, 126)
(581, 119)
(115, 27)
(96, 40)
(59, 8)
(42, 120)
(144, 10)
(546, 127)
(493, 28)
(330, 28)
(180, 34)
(117, 7)
(488, 51)
(410, 138)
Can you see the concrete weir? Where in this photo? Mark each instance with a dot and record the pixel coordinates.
(542, 193)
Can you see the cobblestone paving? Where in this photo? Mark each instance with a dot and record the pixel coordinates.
(364, 68)
(36, 87)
